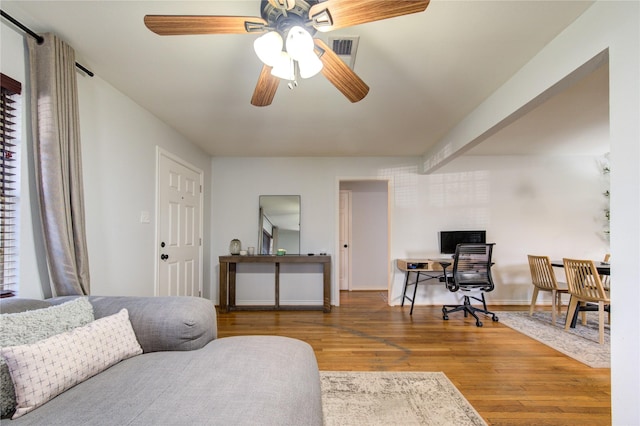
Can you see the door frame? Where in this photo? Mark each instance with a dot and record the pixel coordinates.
(349, 214)
(335, 297)
(161, 152)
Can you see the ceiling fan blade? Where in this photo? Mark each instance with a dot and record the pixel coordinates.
(340, 75)
(189, 25)
(266, 88)
(283, 4)
(334, 14)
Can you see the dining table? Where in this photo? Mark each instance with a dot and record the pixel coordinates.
(604, 268)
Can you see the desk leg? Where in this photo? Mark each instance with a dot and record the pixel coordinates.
(415, 291)
(232, 285)
(404, 291)
(224, 307)
(326, 281)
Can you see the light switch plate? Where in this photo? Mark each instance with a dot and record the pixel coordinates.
(145, 217)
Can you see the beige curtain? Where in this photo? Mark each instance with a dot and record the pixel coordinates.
(58, 163)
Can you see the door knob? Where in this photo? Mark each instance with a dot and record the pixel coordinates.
(345, 246)
(164, 256)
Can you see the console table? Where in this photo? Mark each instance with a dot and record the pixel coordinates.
(228, 266)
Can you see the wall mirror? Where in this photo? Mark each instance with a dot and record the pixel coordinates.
(279, 224)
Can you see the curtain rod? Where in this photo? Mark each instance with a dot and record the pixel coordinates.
(38, 38)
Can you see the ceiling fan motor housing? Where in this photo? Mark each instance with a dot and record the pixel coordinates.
(282, 20)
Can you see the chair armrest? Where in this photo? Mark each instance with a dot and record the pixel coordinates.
(161, 323)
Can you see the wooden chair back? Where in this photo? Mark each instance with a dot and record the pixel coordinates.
(606, 280)
(584, 281)
(542, 275)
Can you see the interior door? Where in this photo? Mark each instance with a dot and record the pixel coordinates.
(345, 240)
(179, 235)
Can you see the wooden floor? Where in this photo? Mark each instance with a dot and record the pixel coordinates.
(509, 378)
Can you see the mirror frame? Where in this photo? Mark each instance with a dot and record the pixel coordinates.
(287, 219)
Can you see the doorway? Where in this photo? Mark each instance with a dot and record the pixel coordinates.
(179, 227)
(364, 235)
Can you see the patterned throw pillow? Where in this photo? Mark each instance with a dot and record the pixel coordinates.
(28, 327)
(44, 369)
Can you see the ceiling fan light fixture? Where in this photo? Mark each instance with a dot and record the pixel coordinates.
(284, 68)
(268, 47)
(310, 65)
(299, 43)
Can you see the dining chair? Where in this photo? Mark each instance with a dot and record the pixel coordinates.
(471, 274)
(585, 287)
(543, 278)
(606, 283)
(605, 278)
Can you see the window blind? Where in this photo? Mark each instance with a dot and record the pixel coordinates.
(9, 166)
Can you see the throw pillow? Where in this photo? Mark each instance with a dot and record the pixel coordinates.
(29, 327)
(45, 369)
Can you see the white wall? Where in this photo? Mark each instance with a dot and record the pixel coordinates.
(240, 181)
(119, 140)
(612, 27)
(546, 206)
(550, 206)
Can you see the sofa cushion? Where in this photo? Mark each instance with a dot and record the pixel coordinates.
(33, 325)
(12, 305)
(243, 380)
(171, 323)
(44, 369)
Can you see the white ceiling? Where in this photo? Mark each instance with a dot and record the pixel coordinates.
(426, 72)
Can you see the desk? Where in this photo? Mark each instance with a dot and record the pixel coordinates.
(429, 269)
(228, 280)
(604, 268)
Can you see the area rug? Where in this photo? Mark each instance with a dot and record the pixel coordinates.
(580, 343)
(394, 398)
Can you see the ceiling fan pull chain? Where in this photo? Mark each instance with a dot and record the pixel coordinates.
(296, 70)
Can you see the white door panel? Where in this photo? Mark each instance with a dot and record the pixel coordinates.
(179, 228)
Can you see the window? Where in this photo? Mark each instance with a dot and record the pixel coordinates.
(9, 170)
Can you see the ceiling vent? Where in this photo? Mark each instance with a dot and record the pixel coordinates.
(345, 47)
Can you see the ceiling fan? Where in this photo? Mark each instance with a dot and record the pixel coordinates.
(287, 47)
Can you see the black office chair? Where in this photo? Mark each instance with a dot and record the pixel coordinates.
(471, 273)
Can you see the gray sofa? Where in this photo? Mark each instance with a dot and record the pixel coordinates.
(186, 376)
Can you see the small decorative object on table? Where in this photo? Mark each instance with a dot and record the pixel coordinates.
(281, 252)
(235, 246)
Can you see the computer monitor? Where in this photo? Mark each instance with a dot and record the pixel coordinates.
(450, 239)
